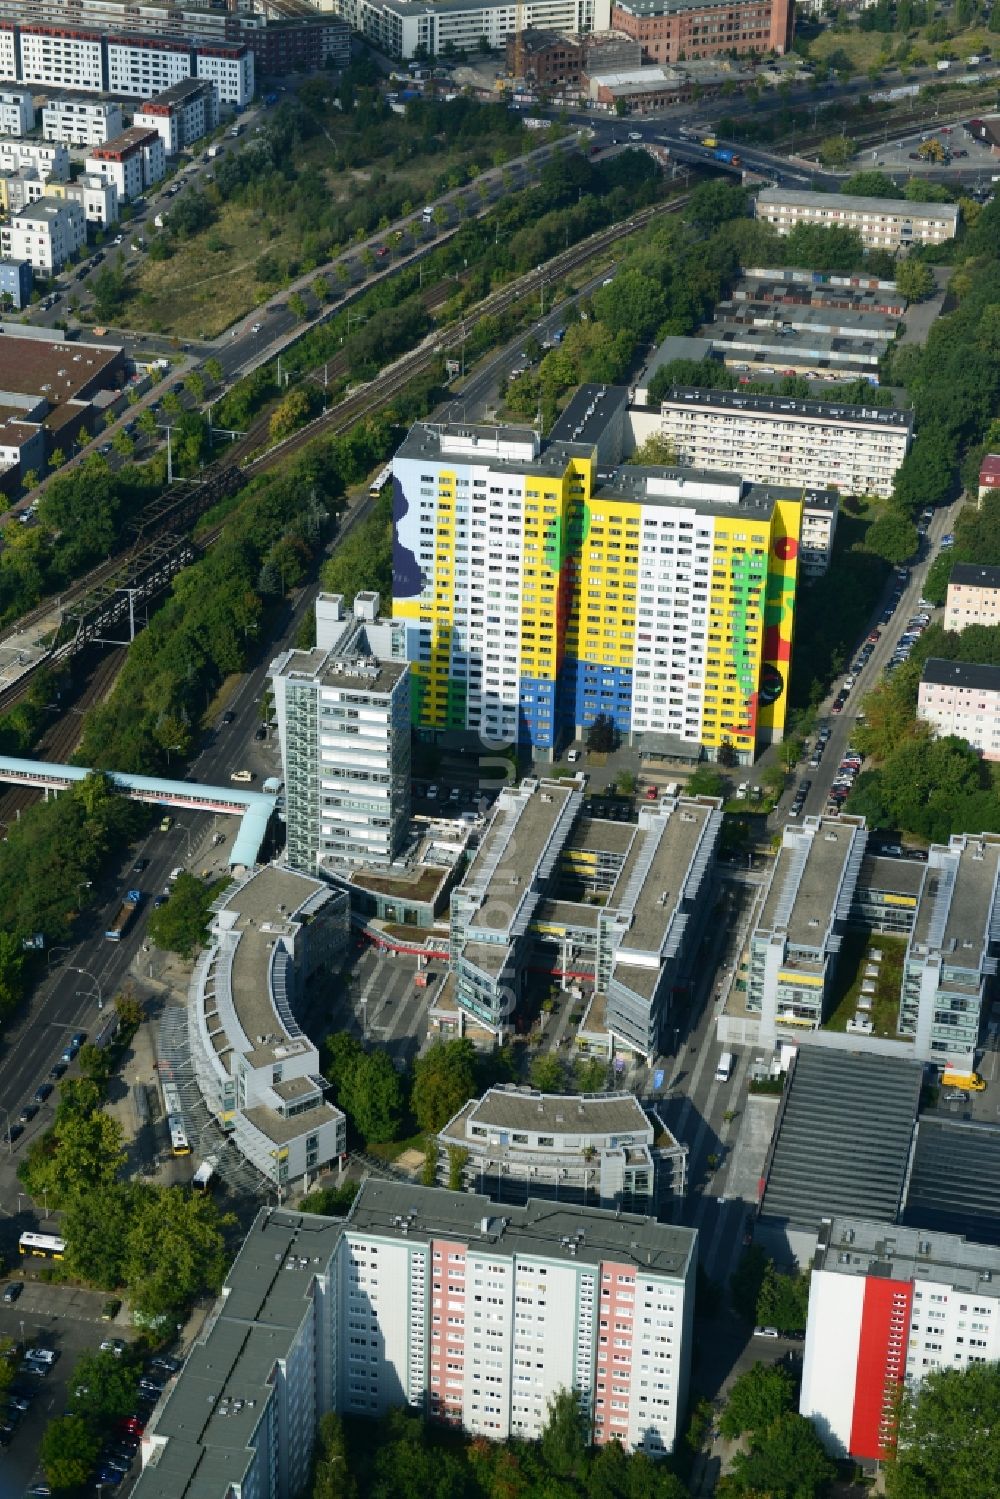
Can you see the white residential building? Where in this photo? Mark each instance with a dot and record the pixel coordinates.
(97, 195)
(17, 111)
(430, 1300)
(49, 160)
(181, 114)
(957, 697)
(46, 234)
(399, 27)
(259, 1074)
(82, 122)
(774, 439)
(973, 596)
(75, 57)
(883, 223)
(133, 161)
(887, 1306)
(343, 712)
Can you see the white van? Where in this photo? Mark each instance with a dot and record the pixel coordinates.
(724, 1071)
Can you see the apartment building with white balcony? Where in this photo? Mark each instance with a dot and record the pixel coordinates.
(257, 1071)
(778, 440)
(883, 223)
(71, 57)
(46, 233)
(887, 1306)
(132, 161)
(181, 114)
(97, 196)
(973, 597)
(17, 111)
(49, 160)
(400, 27)
(82, 122)
(962, 698)
(430, 1300)
(343, 712)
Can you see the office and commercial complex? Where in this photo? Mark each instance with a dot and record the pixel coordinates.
(883, 223)
(258, 1073)
(343, 711)
(962, 698)
(537, 593)
(780, 440)
(888, 1305)
(947, 909)
(597, 1150)
(655, 879)
(430, 1300)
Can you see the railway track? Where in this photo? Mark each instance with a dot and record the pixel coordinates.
(370, 398)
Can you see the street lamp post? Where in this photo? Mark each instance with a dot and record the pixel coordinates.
(72, 968)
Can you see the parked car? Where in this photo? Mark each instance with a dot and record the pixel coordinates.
(12, 1291)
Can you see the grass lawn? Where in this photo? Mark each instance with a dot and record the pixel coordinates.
(850, 975)
(210, 281)
(869, 49)
(396, 1148)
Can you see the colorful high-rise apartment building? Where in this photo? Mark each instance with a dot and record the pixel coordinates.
(539, 591)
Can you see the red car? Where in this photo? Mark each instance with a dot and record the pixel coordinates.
(381, 251)
(874, 637)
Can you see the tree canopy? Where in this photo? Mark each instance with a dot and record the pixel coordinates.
(949, 1436)
(444, 1078)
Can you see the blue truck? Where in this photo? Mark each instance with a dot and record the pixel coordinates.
(123, 919)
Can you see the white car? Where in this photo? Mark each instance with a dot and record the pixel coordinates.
(113, 1345)
(41, 1355)
(766, 1332)
(256, 327)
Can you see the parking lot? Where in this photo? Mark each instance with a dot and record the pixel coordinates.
(955, 148)
(66, 1320)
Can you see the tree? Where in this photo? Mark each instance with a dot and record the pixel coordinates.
(892, 536)
(547, 1074)
(563, 1440)
(332, 1478)
(783, 1300)
(103, 1387)
(82, 1152)
(602, 736)
(444, 1079)
(213, 370)
(915, 279)
(68, 1450)
(758, 1398)
(290, 413)
(298, 306)
(746, 1281)
(174, 1249)
(376, 1097)
(949, 1436)
(869, 184)
(656, 450)
(56, 458)
(785, 1461)
(590, 1074)
(181, 923)
(194, 384)
(836, 151)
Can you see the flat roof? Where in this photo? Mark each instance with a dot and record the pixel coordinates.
(513, 450)
(568, 913)
(901, 208)
(276, 1128)
(347, 669)
(792, 410)
(125, 144)
(967, 674)
(268, 905)
(557, 1113)
(898, 876)
(391, 1210)
(842, 1136)
(808, 873)
(599, 835)
(971, 575)
(954, 1179)
(590, 410)
(54, 369)
(211, 1413)
(677, 835)
(177, 92)
(674, 486)
(798, 344)
(859, 1246)
(847, 321)
(512, 849)
(956, 906)
(769, 286)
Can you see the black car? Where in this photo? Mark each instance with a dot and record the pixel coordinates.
(140, 866)
(165, 1364)
(260, 733)
(57, 1070)
(27, 1113)
(229, 717)
(42, 1092)
(12, 1290)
